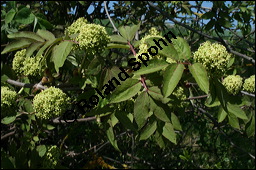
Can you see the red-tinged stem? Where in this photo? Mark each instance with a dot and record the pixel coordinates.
(132, 49)
(142, 79)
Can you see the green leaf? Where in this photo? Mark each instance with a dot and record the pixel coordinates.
(182, 48)
(28, 106)
(45, 34)
(9, 16)
(167, 51)
(8, 120)
(47, 44)
(111, 137)
(24, 16)
(210, 24)
(172, 76)
(250, 127)
(123, 31)
(233, 121)
(32, 48)
(221, 94)
(44, 23)
(149, 129)
(35, 23)
(72, 60)
(4, 78)
(221, 114)
(153, 66)
(113, 120)
(231, 62)
(125, 120)
(168, 132)
(208, 15)
(237, 111)
(15, 45)
(26, 34)
(125, 91)
(41, 149)
(128, 32)
(60, 53)
(176, 122)
(132, 31)
(212, 99)
(112, 45)
(156, 94)
(200, 74)
(158, 111)
(159, 139)
(110, 73)
(186, 7)
(141, 109)
(50, 127)
(35, 138)
(118, 38)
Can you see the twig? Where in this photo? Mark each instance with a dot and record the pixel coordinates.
(248, 94)
(197, 97)
(106, 9)
(40, 86)
(16, 83)
(57, 120)
(7, 135)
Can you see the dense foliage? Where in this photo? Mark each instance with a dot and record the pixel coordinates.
(121, 87)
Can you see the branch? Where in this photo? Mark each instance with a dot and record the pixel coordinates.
(57, 120)
(7, 135)
(221, 131)
(197, 97)
(40, 86)
(16, 83)
(201, 33)
(106, 9)
(248, 94)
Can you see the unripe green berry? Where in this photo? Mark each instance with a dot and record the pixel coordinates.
(51, 157)
(213, 56)
(76, 26)
(170, 60)
(93, 38)
(144, 48)
(233, 84)
(17, 62)
(178, 98)
(249, 84)
(153, 31)
(32, 66)
(50, 103)
(28, 66)
(8, 101)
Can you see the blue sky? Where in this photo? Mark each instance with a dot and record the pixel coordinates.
(204, 4)
(110, 6)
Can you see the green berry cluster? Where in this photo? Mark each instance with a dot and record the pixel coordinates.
(28, 66)
(51, 157)
(213, 56)
(144, 46)
(75, 27)
(91, 37)
(249, 84)
(8, 101)
(233, 84)
(178, 98)
(50, 103)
